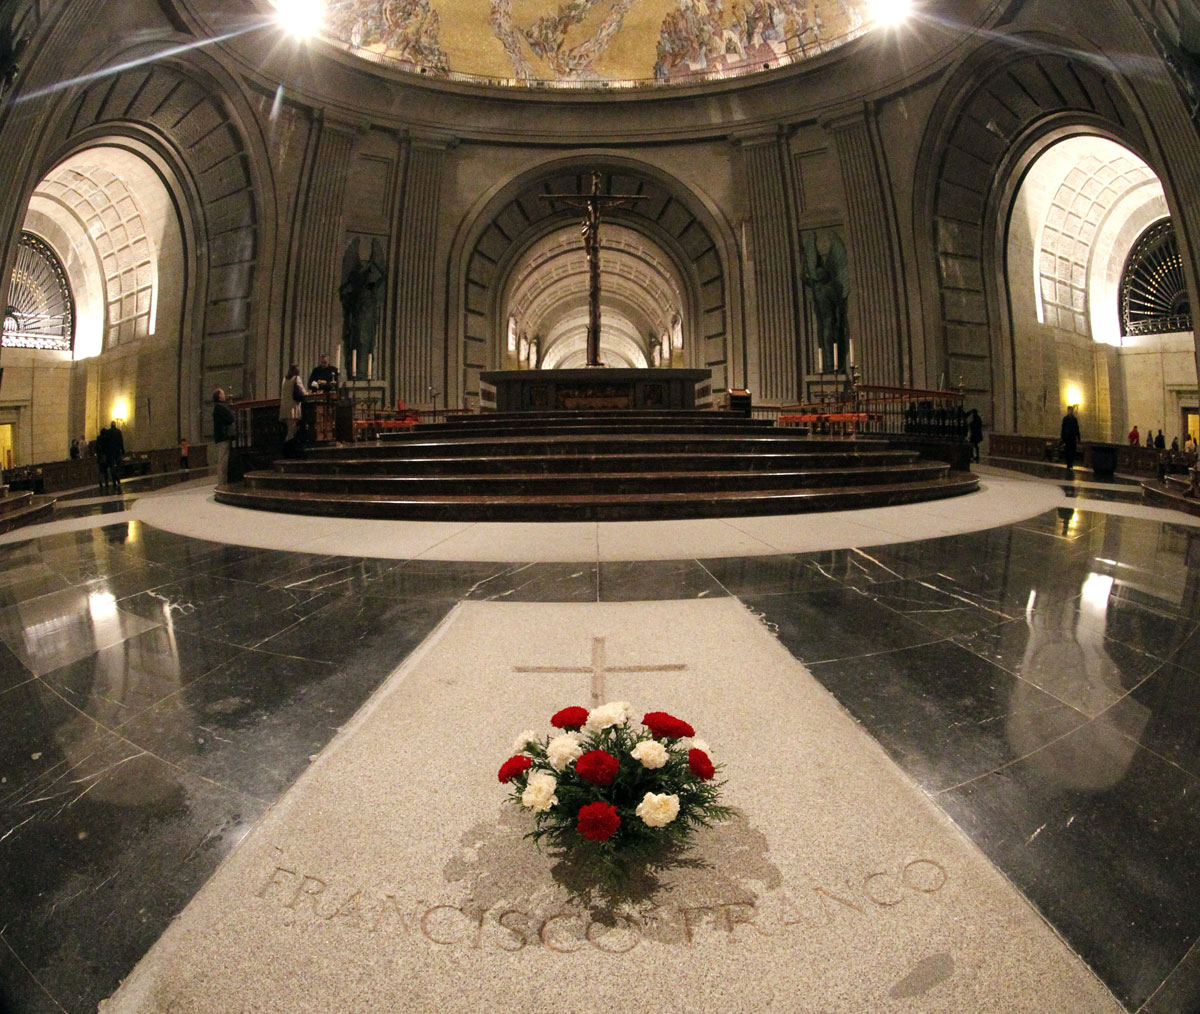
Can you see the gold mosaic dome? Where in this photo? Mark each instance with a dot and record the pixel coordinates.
(591, 43)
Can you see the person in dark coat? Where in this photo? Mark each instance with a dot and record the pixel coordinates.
(223, 427)
(110, 449)
(101, 452)
(1159, 441)
(1070, 437)
(974, 432)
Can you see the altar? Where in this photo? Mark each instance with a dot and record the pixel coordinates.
(594, 388)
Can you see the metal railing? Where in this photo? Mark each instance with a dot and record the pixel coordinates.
(885, 411)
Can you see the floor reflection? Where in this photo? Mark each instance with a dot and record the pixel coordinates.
(1041, 680)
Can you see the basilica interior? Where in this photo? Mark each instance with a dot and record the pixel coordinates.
(993, 201)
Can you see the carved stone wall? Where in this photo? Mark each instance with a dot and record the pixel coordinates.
(773, 261)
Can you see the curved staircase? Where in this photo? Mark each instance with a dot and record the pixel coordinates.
(595, 466)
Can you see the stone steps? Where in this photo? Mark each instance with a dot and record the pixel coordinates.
(597, 507)
(583, 483)
(686, 442)
(24, 508)
(595, 467)
(567, 464)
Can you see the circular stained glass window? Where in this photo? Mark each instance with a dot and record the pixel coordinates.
(41, 312)
(1154, 296)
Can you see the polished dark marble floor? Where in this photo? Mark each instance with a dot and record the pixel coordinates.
(1040, 681)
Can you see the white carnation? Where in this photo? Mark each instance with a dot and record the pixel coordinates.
(523, 740)
(699, 744)
(657, 810)
(613, 713)
(539, 792)
(563, 749)
(651, 753)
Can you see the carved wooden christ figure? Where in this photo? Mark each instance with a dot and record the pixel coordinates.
(361, 293)
(592, 204)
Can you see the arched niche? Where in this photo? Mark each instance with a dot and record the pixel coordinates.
(186, 118)
(108, 216)
(1005, 103)
(672, 220)
(1083, 203)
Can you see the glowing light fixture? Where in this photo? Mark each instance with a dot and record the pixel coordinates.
(301, 18)
(120, 411)
(1074, 396)
(890, 12)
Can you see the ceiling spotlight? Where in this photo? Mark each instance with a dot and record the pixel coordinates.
(301, 18)
(890, 12)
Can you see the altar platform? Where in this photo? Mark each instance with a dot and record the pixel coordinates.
(594, 388)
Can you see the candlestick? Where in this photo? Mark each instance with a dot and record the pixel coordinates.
(820, 360)
(850, 353)
(835, 357)
(370, 365)
(354, 364)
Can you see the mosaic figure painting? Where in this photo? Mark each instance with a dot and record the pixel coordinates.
(595, 40)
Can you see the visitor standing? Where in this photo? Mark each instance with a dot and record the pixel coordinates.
(975, 432)
(110, 460)
(1135, 438)
(1070, 437)
(1160, 442)
(184, 454)
(223, 426)
(101, 452)
(291, 398)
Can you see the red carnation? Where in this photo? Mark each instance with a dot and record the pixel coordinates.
(514, 766)
(570, 718)
(666, 726)
(598, 821)
(701, 766)
(597, 767)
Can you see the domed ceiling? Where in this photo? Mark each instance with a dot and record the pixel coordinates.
(602, 43)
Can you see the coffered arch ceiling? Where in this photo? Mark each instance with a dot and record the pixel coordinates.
(661, 251)
(640, 295)
(589, 43)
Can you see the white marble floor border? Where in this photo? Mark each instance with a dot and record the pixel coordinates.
(1004, 498)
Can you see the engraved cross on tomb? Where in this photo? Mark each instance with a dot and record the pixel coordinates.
(599, 669)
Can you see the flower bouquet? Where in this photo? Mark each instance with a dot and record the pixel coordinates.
(608, 788)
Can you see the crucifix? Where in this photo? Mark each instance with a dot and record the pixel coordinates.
(592, 203)
(598, 669)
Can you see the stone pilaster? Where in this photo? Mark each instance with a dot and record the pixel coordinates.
(878, 323)
(774, 268)
(419, 331)
(318, 243)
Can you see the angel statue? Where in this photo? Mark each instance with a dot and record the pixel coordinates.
(12, 46)
(827, 281)
(361, 293)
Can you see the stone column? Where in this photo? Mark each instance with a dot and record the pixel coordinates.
(318, 243)
(419, 322)
(772, 251)
(878, 323)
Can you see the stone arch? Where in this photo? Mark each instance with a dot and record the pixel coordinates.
(186, 118)
(670, 216)
(1003, 106)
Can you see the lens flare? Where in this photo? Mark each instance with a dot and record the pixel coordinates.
(301, 18)
(890, 12)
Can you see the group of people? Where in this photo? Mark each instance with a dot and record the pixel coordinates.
(1159, 441)
(323, 378)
